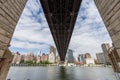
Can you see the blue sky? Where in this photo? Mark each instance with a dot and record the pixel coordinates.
(32, 33)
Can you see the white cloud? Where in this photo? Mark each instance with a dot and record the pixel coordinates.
(32, 31)
(89, 32)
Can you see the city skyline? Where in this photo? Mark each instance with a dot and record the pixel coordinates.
(88, 35)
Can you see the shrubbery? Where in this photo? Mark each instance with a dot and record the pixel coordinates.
(33, 62)
(45, 62)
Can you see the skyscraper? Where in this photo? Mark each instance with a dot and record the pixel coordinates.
(17, 58)
(88, 59)
(57, 59)
(52, 55)
(70, 56)
(30, 57)
(101, 58)
(81, 58)
(105, 47)
(44, 57)
(38, 57)
(87, 55)
(52, 49)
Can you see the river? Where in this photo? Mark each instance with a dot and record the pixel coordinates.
(60, 73)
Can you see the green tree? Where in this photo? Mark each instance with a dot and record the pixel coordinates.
(45, 62)
(22, 62)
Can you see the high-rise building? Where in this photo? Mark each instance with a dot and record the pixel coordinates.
(38, 58)
(105, 47)
(44, 57)
(88, 59)
(101, 58)
(30, 57)
(17, 58)
(53, 49)
(52, 55)
(22, 57)
(69, 56)
(81, 58)
(57, 59)
(87, 55)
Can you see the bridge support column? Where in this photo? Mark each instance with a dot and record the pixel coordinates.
(10, 12)
(61, 63)
(6, 64)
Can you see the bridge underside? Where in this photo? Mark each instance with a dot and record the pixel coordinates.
(61, 16)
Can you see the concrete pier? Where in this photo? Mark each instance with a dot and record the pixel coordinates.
(5, 68)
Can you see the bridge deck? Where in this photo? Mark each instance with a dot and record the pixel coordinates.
(61, 16)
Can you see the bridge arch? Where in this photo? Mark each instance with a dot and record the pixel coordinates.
(10, 11)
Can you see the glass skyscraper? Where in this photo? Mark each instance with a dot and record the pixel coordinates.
(70, 56)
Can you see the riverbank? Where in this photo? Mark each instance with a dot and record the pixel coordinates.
(34, 65)
(60, 65)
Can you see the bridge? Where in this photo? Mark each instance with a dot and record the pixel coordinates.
(61, 16)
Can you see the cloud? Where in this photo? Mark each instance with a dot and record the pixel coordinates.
(89, 32)
(32, 31)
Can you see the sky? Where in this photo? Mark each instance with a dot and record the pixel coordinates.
(32, 33)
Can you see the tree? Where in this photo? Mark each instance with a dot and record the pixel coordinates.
(22, 61)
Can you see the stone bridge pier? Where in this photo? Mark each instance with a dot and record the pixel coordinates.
(10, 11)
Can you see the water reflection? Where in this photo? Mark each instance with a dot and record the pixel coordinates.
(66, 73)
(60, 73)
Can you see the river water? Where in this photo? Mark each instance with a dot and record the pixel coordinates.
(60, 73)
